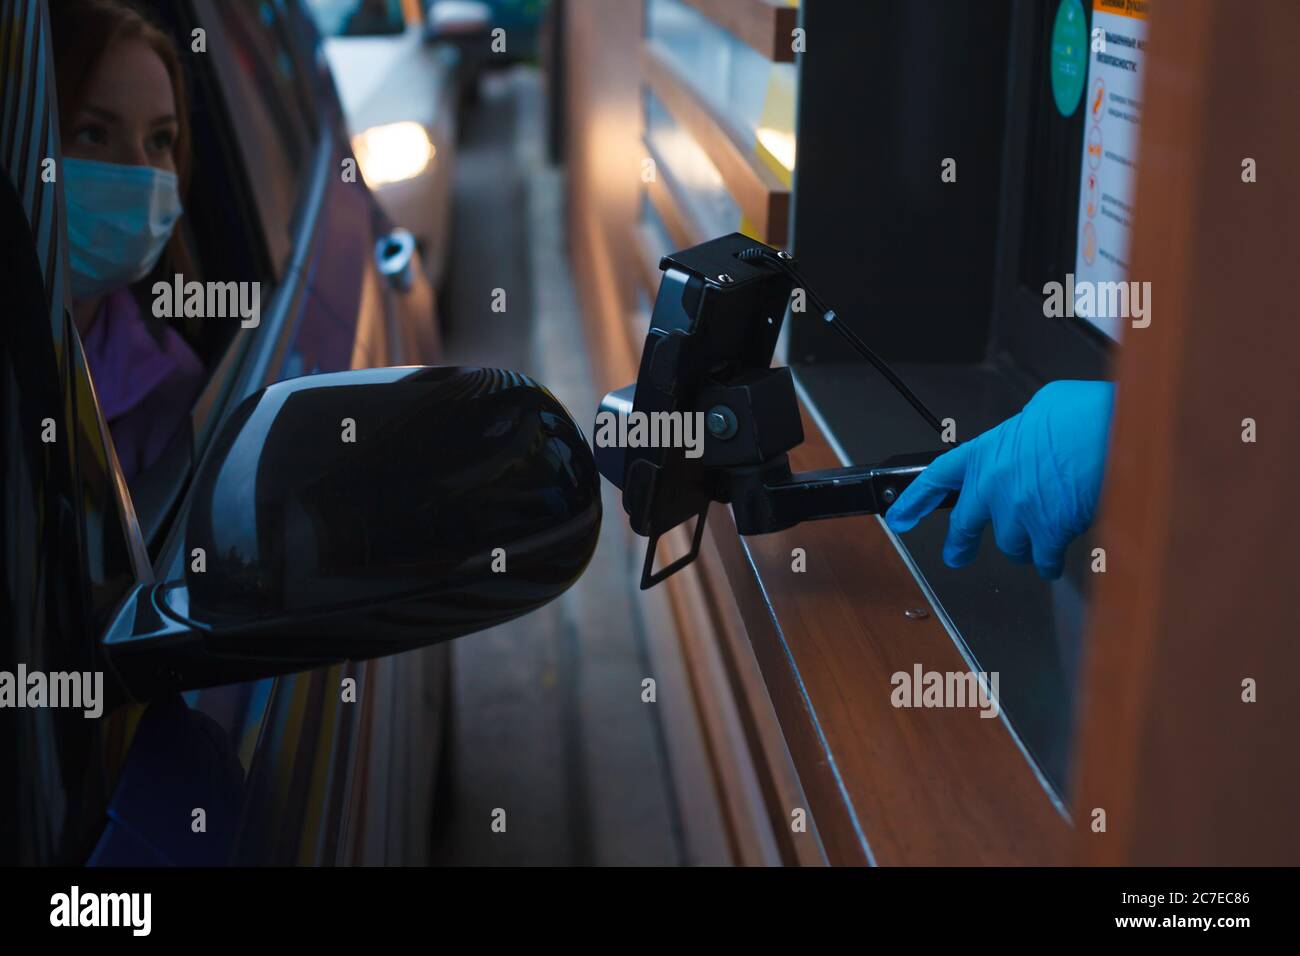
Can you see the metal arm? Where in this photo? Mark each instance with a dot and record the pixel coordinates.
(768, 503)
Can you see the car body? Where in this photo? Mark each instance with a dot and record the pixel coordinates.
(400, 96)
(284, 769)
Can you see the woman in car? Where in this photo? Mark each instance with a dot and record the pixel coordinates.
(126, 154)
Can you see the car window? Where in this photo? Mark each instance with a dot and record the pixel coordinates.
(352, 18)
(274, 102)
(252, 137)
(215, 245)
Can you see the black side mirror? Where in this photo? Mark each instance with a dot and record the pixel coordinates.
(357, 514)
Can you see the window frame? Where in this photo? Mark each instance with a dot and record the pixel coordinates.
(278, 232)
(1046, 350)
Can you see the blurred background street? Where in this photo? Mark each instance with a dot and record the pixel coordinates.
(547, 720)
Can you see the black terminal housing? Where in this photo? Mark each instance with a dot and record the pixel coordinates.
(708, 352)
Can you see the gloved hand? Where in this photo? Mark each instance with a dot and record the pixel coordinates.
(1037, 476)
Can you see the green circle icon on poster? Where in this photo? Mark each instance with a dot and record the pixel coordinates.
(1069, 55)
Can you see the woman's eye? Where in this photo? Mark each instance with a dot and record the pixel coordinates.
(91, 135)
(163, 140)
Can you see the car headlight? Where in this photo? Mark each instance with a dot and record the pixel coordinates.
(392, 152)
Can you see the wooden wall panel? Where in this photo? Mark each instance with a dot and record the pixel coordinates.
(766, 25)
(734, 777)
(1201, 528)
(603, 148)
(762, 197)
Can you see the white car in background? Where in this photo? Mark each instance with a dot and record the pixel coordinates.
(400, 91)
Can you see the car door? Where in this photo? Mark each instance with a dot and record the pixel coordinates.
(277, 767)
(72, 546)
(313, 752)
(361, 766)
(402, 711)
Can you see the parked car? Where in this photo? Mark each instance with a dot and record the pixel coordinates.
(238, 602)
(400, 95)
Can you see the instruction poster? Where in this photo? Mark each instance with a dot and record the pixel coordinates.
(1112, 117)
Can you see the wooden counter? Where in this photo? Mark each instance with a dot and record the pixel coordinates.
(886, 785)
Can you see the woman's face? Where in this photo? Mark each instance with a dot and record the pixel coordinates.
(128, 113)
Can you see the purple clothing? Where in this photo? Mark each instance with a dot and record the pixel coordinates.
(145, 389)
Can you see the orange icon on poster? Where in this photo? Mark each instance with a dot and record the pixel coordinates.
(1090, 205)
(1098, 99)
(1089, 243)
(1094, 147)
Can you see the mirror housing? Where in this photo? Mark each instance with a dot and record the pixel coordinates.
(357, 514)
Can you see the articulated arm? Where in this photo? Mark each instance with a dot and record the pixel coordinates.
(764, 500)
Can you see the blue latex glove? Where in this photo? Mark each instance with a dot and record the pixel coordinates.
(1037, 477)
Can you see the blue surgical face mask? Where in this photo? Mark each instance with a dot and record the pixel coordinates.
(119, 221)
